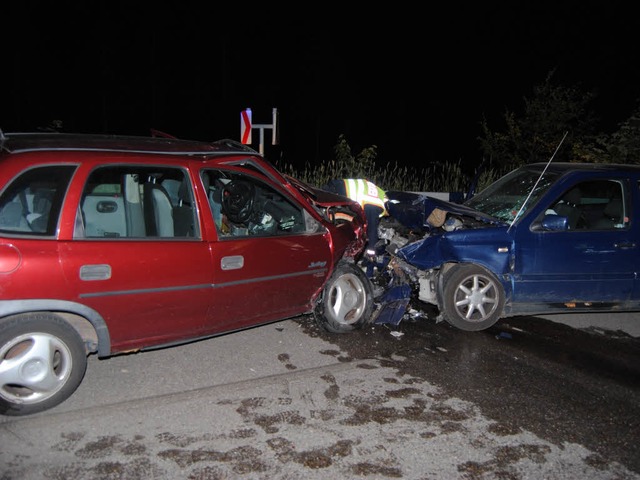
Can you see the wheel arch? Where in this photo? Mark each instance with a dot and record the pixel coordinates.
(86, 321)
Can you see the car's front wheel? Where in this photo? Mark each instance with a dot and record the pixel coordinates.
(473, 298)
(42, 362)
(347, 300)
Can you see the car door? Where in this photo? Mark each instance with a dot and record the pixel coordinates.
(271, 258)
(127, 261)
(595, 262)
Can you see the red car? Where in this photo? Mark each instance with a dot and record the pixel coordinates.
(112, 244)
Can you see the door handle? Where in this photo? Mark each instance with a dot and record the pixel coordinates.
(233, 262)
(95, 272)
(625, 245)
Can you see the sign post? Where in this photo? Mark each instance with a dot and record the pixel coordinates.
(246, 127)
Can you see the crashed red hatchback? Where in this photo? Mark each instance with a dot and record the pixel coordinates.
(112, 244)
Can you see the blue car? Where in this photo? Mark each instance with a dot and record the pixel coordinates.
(545, 238)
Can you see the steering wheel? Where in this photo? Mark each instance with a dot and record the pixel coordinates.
(237, 200)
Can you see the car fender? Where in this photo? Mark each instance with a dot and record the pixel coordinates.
(491, 247)
(14, 307)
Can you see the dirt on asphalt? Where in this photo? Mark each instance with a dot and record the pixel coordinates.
(527, 399)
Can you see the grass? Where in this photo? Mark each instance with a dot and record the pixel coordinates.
(436, 177)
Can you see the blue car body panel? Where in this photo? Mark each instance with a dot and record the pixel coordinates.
(544, 264)
(490, 247)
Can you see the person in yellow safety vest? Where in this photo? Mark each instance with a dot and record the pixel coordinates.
(372, 200)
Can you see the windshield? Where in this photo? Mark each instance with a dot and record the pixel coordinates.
(504, 198)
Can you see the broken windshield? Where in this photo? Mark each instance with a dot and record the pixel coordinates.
(504, 198)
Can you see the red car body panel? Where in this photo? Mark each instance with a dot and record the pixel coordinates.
(158, 291)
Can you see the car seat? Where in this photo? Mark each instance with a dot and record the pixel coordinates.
(12, 217)
(172, 186)
(214, 195)
(183, 211)
(568, 206)
(611, 215)
(158, 211)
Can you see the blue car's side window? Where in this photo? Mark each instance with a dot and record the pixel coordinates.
(593, 205)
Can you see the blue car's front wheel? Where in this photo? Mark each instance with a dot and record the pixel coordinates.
(472, 297)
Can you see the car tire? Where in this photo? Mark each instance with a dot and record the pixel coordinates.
(42, 362)
(347, 300)
(472, 297)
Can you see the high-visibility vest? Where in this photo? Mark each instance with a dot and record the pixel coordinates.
(365, 193)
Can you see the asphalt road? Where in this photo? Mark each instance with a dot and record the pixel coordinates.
(527, 399)
(625, 323)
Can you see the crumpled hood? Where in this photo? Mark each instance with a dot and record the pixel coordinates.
(413, 209)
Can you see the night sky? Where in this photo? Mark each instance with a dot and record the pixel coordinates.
(414, 82)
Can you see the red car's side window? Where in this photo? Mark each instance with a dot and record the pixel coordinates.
(33, 201)
(242, 205)
(137, 202)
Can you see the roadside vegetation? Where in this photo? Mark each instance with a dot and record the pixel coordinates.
(532, 136)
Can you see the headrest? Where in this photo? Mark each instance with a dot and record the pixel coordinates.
(613, 209)
(172, 186)
(206, 181)
(573, 196)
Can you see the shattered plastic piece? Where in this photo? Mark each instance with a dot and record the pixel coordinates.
(394, 304)
(392, 312)
(395, 333)
(504, 335)
(452, 224)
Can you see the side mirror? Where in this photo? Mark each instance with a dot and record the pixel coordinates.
(555, 223)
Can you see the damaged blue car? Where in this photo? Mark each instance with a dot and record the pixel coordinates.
(545, 238)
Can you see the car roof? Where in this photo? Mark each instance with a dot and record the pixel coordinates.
(46, 141)
(563, 167)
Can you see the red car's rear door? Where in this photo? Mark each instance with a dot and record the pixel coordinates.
(137, 256)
